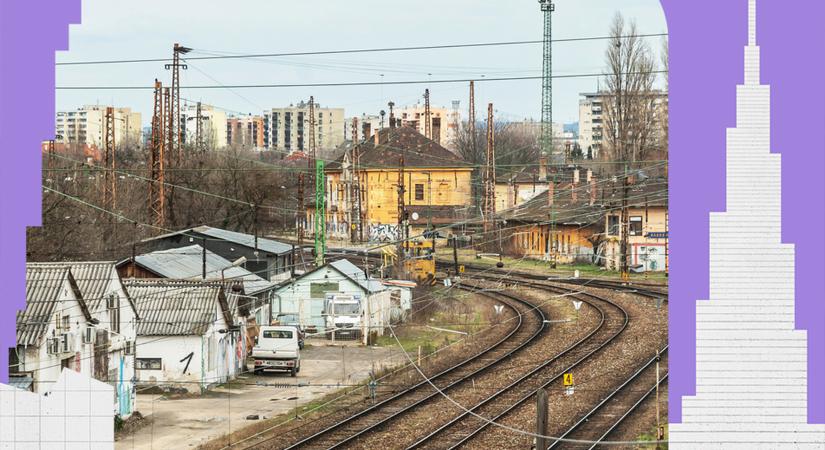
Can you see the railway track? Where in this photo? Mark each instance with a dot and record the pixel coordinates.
(530, 324)
(464, 427)
(614, 408)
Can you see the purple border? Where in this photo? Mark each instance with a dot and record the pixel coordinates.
(706, 61)
(706, 50)
(30, 32)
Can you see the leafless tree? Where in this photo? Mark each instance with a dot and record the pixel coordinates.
(630, 105)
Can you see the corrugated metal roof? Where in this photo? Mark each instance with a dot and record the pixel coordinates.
(44, 286)
(186, 263)
(174, 307)
(247, 240)
(92, 277)
(357, 275)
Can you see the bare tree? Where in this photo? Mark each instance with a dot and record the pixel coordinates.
(630, 106)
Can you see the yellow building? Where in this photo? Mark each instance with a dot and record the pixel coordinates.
(437, 187)
(555, 225)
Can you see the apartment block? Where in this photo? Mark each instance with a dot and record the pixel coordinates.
(85, 126)
(245, 132)
(286, 129)
(214, 127)
(592, 116)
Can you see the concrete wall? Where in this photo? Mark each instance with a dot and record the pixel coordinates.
(568, 243)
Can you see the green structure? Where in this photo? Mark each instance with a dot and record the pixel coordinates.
(320, 214)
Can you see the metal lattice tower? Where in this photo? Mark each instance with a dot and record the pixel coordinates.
(157, 195)
(174, 130)
(355, 187)
(546, 139)
(427, 120)
(109, 176)
(168, 120)
(300, 216)
(320, 215)
(490, 173)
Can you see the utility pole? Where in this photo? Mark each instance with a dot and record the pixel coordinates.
(50, 154)
(541, 419)
(658, 417)
(427, 120)
(402, 217)
(471, 129)
(301, 214)
(198, 128)
(157, 194)
(392, 117)
(355, 187)
(320, 215)
(490, 175)
(174, 111)
(547, 7)
(109, 183)
(625, 219)
(311, 157)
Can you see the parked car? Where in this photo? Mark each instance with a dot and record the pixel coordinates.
(292, 320)
(277, 348)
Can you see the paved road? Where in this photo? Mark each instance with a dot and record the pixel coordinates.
(188, 422)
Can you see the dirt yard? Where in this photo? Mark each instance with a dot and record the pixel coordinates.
(191, 421)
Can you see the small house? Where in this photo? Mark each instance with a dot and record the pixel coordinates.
(188, 337)
(77, 317)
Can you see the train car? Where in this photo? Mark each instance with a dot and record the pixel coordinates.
(420, 262)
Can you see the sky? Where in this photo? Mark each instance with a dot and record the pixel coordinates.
(148, 28)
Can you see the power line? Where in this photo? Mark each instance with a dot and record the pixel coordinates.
(345, 84)
(348, 51)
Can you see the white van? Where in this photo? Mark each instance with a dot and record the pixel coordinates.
(276, 348)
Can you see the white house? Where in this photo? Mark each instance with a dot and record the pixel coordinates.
(305, 296)
(78, 316)
(187, 337)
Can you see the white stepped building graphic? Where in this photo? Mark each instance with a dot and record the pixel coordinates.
(751, 364)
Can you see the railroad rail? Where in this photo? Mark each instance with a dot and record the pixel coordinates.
(621, 402)
(468, 424)
(530, 325)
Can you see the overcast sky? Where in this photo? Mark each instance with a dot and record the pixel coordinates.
(148, 28)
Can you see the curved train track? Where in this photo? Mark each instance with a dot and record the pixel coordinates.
(531, 324)
(464, 427)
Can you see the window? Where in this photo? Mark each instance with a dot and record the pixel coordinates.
(277, 334)
(635, 228)
(148, 364)
(613, 225)
(419, 192)
(114, 313)
(63, 322)
(317, 290)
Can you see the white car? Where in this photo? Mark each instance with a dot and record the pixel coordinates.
(277, 348)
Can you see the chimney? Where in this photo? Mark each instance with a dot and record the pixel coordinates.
(589, 175)
(550, 193)
(378, 138)
(592, 191)
(367, 130)
(574, 193)
(542, 168)
(576, 176)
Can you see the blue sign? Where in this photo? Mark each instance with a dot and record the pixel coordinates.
(657, 235)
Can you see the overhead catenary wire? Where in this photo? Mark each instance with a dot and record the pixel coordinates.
(348, 51)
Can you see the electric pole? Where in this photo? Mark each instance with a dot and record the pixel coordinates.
(301, 214)
(392, 117)
(355, 187)
(320, 215)
(157, 194)
(51, 156)
(109, 184)
(490, 175)
(625, 222)
(547, 81)
(427, 120)
(471, 129)
(311, 157)
(174, 110)
(198, 128)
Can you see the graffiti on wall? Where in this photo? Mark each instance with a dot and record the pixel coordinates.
(383, 233)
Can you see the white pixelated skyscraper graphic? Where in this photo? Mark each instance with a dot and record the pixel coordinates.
(751, 364)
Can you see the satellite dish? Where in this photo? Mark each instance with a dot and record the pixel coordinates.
(415, 216)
